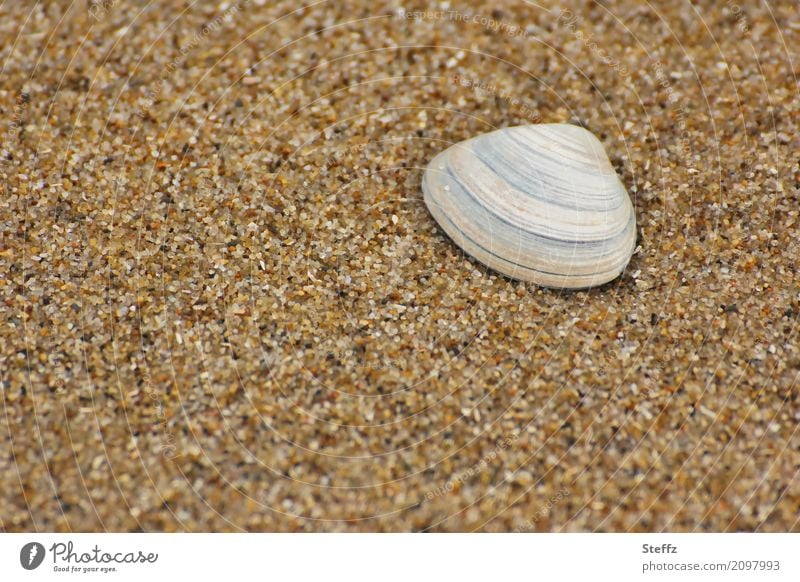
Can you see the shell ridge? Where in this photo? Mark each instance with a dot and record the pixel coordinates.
(520, 265)
(514, 219)
(538, 203)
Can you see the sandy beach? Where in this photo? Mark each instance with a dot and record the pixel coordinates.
(224, 305)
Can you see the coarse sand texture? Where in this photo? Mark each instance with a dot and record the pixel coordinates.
(225, 305)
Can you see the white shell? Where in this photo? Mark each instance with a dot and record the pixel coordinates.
(539, 203)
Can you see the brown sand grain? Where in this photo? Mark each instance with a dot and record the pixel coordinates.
(225, 307)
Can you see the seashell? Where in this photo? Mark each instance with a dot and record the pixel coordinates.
(539, 203)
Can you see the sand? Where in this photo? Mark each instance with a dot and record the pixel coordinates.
(225, 306)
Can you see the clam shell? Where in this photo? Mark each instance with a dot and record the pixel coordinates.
(539, 203)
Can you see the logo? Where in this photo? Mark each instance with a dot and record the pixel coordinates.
(31, 555)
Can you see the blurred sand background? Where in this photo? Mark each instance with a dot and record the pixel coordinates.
(224, 305)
